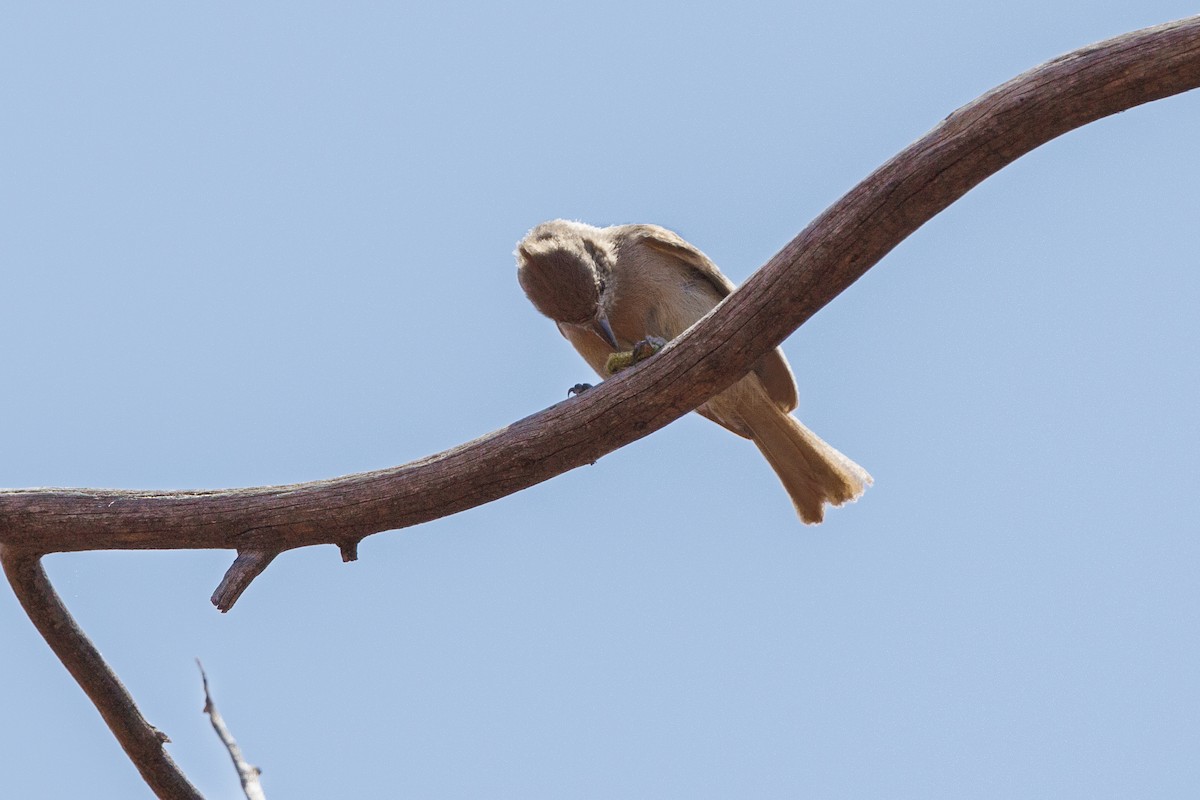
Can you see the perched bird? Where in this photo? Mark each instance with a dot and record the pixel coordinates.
(609, 289)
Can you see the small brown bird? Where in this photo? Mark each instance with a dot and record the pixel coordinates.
(612, 288)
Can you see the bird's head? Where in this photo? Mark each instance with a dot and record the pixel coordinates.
(565, 269)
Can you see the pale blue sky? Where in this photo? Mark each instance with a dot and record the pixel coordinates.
(249, 244)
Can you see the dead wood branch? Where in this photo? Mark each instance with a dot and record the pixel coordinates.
(143, 743)
(245, 568)
(827, 257)
(247, 772)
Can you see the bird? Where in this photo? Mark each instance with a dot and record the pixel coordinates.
(611, 290)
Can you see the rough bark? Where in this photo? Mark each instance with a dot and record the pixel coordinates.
(826, 258)
(822, 261)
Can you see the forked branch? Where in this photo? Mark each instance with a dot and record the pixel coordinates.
(830, 254)
(142, 742)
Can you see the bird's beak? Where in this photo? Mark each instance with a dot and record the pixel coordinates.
(604, 331)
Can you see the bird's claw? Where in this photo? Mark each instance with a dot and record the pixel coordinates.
(647, 347)
(578, 388)
(640, 352)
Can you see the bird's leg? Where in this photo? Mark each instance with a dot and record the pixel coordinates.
(578, 388)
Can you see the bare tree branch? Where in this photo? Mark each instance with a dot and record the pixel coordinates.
(247, 772)
(830, 254)
(143, 743)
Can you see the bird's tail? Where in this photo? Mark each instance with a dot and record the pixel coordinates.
(812, 472)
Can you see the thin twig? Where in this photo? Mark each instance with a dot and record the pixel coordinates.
(140, 740)
(247, 772)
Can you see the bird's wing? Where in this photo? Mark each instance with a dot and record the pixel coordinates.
(772, 369)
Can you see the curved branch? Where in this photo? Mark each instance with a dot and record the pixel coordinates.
(829, 255)
(826, 258)
(140, 740)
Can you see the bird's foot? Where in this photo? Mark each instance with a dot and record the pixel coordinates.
(640, 352)
(647, 347)
(578, 388)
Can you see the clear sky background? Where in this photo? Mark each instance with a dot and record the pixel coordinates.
(250, 244)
